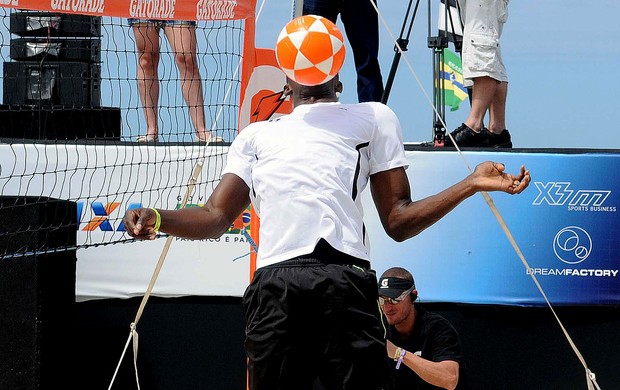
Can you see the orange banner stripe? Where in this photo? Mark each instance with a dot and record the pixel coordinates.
(144, 9)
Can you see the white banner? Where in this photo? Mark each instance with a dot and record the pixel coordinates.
(105, 180)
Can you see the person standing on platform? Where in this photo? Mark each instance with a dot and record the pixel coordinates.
(483, 66)
(423, 348)
(181, 36)
(311, 307)
(361, 24)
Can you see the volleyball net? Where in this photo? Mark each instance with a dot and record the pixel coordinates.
(71, 110)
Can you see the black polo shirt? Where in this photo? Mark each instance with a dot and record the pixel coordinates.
(436, 339)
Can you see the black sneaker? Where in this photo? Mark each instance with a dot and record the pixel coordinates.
(501, 140)
(466, 137)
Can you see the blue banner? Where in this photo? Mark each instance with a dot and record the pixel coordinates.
(565, 224)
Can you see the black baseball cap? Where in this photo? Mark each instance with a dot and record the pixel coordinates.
(394, 287)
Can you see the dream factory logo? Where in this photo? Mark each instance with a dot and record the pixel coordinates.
(560, 194)
(573, 245)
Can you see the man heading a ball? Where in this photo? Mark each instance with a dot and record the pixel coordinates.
(311, 308)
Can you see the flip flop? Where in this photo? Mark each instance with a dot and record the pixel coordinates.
(147, 138)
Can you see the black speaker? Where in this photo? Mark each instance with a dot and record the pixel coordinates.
(45, 24)
(60, 123)
(37, 291)
(38, 49)
(52, 83)
(33, 223)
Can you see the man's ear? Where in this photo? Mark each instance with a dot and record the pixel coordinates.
(338, 87)
(287, 91)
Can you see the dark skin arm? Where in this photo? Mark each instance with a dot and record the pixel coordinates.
(229, 199)
(403, 218)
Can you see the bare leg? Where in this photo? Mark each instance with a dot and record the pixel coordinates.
(182, 40)
(483, 94)
(497, 117)
(147, 43)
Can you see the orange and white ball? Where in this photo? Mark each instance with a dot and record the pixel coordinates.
(310, 50)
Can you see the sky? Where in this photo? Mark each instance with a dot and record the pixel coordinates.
(560, 57)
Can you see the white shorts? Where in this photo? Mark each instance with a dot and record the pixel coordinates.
(484, 21)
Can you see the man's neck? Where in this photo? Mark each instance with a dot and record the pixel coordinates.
(312, 100)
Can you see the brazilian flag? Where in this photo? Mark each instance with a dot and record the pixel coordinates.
(452, 73)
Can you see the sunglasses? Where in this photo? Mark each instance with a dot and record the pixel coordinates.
(395, 301)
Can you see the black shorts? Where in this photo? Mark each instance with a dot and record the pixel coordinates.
(310, 318)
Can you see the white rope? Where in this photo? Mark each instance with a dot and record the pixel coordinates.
(133, 334)
(417, 79)
(590, 376)
(121, 359)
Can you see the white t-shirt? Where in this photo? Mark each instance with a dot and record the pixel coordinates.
(306, 171)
